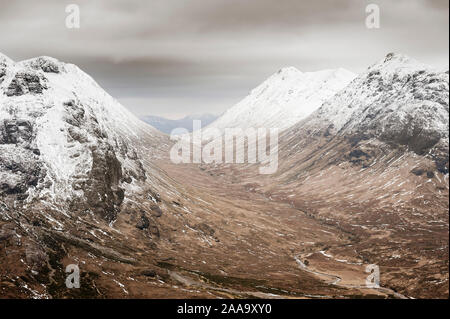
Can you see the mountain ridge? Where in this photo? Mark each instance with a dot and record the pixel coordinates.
(285, 98)
(397, 100)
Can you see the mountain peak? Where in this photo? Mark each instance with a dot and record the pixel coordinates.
(288, 70)
(396, 63)
(44, 63)
(285, 98)
(394, 56)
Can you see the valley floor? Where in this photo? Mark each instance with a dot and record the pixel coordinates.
(221, 237)
(335, 250)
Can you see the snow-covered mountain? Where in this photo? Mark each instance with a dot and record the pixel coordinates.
(166, 125)
(285, 98)
(398, 101)
(65, 140)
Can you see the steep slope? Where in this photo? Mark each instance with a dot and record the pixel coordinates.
(59, 143)
(284, 99)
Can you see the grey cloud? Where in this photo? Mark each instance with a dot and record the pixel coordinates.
(188, 56)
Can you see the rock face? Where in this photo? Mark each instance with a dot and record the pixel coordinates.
(26, 82)
(19, 164)
(46, 64)
(64, 140)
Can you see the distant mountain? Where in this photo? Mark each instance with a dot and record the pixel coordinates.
(284, 99)
(166, 125)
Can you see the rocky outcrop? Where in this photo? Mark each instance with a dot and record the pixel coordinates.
(102, 190)
(25, 83)
(46, 64)
(19, 174)
(15, 131)
(19, 158)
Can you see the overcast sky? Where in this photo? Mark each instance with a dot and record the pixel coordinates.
(178, 57)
